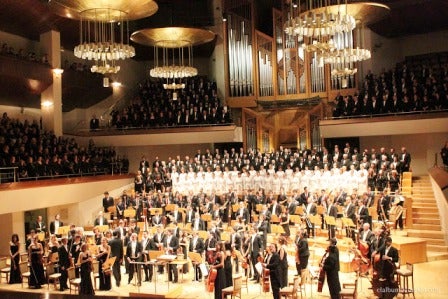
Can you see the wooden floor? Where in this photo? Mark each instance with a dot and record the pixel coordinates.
(429, 278)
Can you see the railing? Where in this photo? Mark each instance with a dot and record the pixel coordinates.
(387, 114)
(12, 177)
(149, 130)
(7, 174)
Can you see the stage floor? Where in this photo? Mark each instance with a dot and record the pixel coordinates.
(429, 280)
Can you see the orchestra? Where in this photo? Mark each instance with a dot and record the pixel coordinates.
(179, 221)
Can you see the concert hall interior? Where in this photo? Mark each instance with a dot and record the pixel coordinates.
(157, 148)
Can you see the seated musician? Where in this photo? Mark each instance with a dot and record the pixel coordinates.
(389, 258)
(157, 219)
(363, 213)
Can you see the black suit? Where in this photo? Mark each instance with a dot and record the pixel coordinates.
(108, 202)
(387, 266)
(332, 211)
(198, 224)
(303, 254)
(331, 267)
(116, 249)
(275, 273)
(99, 219)
(134, 256)
(197, 245)
(53, 227)
(172, 243)
(147, 245)
(310, 209)
(64, 264)
(255, 248)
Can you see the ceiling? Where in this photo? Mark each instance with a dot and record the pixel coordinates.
(30, 18)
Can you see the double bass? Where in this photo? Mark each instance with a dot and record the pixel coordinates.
(321, 279)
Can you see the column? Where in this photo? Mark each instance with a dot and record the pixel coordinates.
(51, 98)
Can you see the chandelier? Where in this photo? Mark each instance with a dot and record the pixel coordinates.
(173, 51)
(325, 28)
(104, 29)
(99, 41)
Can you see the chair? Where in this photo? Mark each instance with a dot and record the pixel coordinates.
(235, 290)
(4, 269)
(24, 257)
(52, 276)
(349, 290)
(291, 290)
(24, 271)
(403, 279)
(73, 281)
(96, 273)
(245, 283)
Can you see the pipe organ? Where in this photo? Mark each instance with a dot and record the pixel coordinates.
(240, 54)
(273, 68)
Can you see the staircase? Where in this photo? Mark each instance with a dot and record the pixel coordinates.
(426, 218)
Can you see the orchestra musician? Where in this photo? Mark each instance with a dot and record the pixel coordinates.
(388, 253)
(55, 225)
(363, 213)
(100, 220)
(243, 212)
(197, 245)
(64, 263)
(103, 255)
(172, 244)
(218, 264)
(198, 223)
(331, 268)
(120, 207)
(272, 262)
(116, 250)
(310, 210)
(39, 225)
(147, 245)
(333, 212)
(108, 201)
(255, 250)
(85, 263)
(157, 219)
(210, 247)
(75, 250)
(383, 206)
(134, 254)
(235, 244)
(14, 253)
(302, 251)
(350, 212)
(283, 255)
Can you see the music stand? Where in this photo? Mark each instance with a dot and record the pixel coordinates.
(103, 228)
(277, 229)
(320, 210)
(129, 213)
(63, 230)
(112, 210)
(298, 211)
(107, 265)
(330, 220)
(169, 207)
(235, 207)
(153, 211)
(275, 219)
(295, 219)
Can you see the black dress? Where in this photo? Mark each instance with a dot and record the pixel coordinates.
(14, 274)
(86, 287)
(37, 277)
(228, 271)
(283, 268)
(220, 280)
(105, 284)
(285, 226)
(331, 267)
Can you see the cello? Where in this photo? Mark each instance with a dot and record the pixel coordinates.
(321, 279)
(210, 283)
(264, 277)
